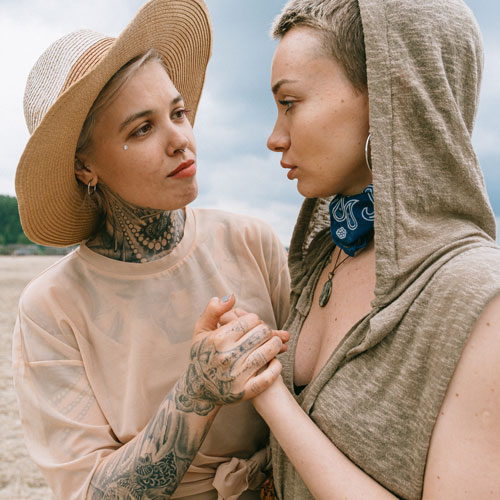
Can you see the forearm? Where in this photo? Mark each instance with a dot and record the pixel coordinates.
(325, 470)
(153, 464)
(225, 368)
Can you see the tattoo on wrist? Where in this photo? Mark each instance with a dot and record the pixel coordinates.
(204, 385)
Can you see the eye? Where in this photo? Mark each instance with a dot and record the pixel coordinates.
(288, 105)
(142, 130)
(180, 113)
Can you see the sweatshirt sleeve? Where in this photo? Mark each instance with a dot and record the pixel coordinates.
(65, 430)
(280, 282)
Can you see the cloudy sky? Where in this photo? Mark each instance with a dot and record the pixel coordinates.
(236, 114)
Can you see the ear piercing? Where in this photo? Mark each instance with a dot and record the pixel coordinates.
(91, 189)
(367, 152)
(125, 147)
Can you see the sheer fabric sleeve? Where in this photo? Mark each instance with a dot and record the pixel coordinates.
(280, 281)
(65, 430)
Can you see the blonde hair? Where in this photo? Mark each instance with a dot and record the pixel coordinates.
(339, 24)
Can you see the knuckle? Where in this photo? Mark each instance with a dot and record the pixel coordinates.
(224, 360)
(251, 318)
(217, 336)
(278, 343)
(239, 325)
(274, 345)
(265, 330)
(258, 359)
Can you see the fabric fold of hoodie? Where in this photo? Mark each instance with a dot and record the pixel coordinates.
(437, 264)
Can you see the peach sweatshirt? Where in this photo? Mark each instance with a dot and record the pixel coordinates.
(99, 343)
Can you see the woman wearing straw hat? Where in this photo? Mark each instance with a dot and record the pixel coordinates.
(116, 398)
(392, 372)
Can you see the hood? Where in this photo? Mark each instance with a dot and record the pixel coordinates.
(424, 63)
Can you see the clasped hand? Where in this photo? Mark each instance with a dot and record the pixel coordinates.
(232, 362)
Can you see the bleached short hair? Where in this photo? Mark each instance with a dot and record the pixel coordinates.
(339, 24)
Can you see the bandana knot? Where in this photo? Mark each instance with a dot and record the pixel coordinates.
(351, 220)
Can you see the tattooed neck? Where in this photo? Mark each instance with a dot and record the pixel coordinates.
(135, 234)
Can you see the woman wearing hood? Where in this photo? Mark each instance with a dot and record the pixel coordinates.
(117, 399)
(390, 385)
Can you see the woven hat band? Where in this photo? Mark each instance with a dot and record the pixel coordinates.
(87, 61)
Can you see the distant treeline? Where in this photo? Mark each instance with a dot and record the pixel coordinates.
(11, 232)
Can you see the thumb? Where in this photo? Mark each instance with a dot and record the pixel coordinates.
(210, 317)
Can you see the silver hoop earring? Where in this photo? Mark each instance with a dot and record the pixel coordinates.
(91, 189)
(367, 155)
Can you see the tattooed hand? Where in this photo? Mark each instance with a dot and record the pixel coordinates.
(231, 363)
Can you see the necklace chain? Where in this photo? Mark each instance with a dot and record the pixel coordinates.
(327, 287)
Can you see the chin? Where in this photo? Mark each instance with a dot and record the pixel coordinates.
(191, 198)
(311, 192)
(187, 196)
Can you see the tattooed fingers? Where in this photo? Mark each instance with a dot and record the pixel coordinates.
(238, 327)
(261, 334)
(226, 359)
(254, 338)
(261, 356)
(263, 380)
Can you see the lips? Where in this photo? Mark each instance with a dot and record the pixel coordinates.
(292, 171)
(183, 166)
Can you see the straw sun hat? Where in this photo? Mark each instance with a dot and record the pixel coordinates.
(60, 91)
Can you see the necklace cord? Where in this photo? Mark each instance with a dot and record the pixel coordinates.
(327, 287)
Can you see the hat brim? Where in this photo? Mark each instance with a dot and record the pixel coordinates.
(54, 208)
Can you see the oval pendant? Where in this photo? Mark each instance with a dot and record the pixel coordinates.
(325, 293)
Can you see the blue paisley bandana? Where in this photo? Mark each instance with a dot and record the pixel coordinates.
(351, 220)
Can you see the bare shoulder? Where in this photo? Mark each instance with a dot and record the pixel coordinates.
(464, 453)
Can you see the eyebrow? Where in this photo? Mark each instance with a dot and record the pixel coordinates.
(278, 84)
(146, 112)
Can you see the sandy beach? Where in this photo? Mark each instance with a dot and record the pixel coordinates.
(20, 479)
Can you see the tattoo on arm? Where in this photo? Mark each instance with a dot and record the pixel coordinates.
(154, 463)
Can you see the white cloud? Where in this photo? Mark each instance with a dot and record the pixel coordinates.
(215, 124)
(281, 216)
(26, 29)
(235, 116)
(252, 185)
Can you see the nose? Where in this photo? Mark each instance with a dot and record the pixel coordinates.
(279, 140)
(178, 140)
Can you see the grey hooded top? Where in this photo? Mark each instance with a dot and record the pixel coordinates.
(437, 264)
